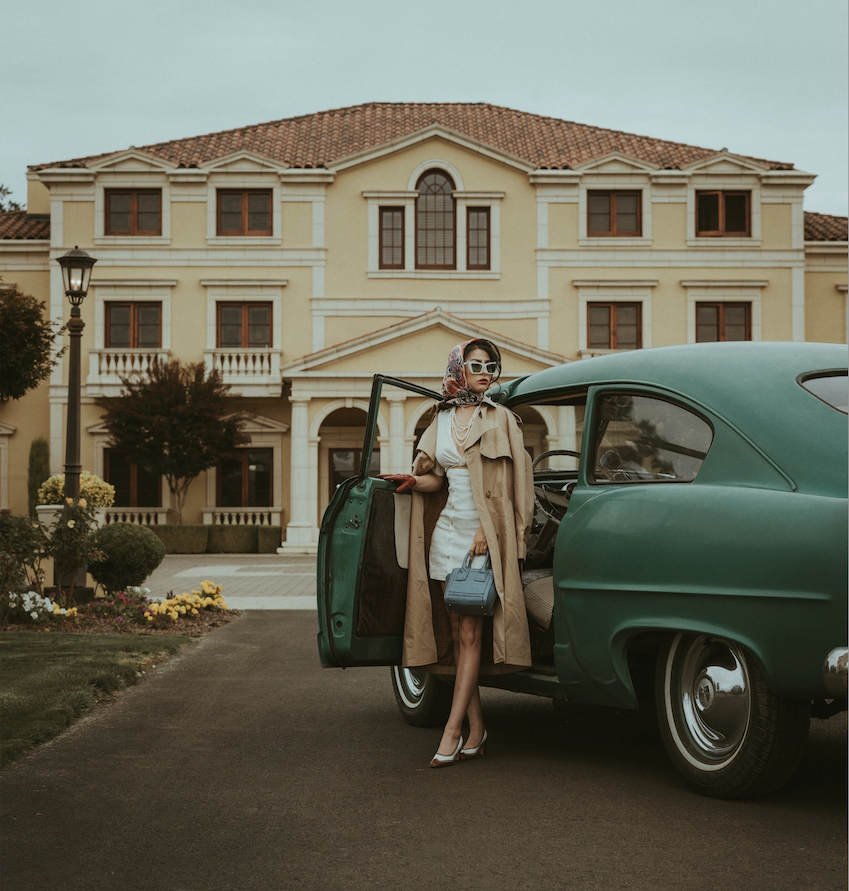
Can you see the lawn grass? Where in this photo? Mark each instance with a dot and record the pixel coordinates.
(47, 680)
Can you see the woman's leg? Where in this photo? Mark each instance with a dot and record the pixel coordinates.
(467, 631)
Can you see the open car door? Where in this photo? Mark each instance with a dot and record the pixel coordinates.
(362, 560)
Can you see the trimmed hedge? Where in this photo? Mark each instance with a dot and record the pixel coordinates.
(268, 539)
(182, 539)
(231, 540)
(219, 539)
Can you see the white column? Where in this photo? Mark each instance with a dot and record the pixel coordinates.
(566, 438)
(383, 443)
(397, 462)
(312, 489)
(301, 528)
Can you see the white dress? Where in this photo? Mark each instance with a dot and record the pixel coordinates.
(455, 529)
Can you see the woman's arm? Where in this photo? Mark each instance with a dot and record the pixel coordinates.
(426, 482)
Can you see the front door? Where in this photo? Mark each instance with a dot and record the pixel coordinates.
(362, 560)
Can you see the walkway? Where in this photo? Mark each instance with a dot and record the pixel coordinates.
(248, 581)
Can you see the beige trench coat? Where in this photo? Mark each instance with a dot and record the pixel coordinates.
(502, 485)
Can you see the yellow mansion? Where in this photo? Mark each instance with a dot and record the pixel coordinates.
(301, 256)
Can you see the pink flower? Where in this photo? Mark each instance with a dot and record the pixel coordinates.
(82, 502)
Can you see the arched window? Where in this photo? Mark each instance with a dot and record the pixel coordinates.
(435, 248)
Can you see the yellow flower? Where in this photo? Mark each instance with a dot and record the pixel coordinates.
(195, 612)
(83, 502)
(72, 523)
(149, 618)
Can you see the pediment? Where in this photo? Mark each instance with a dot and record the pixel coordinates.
(417, 347)
(725, 163)
(7, 429)
(419, 136)
(131, 161)
(261, 424)
(615, 162)
(243, 162)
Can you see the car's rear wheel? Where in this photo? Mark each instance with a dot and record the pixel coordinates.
(423, 699)
(722, 727)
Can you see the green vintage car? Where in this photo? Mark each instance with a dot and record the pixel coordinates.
(696, 555)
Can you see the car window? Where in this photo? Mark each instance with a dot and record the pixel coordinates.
(832, 388)
(641, 439)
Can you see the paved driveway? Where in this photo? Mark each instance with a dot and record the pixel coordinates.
(242, 765)
(248, 581)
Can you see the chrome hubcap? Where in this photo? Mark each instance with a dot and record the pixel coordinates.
(410, 686)
(715, 696)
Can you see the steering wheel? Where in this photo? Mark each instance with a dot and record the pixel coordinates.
(542, 455)
(553, 504)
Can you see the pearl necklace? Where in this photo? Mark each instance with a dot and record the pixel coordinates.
(459, 431)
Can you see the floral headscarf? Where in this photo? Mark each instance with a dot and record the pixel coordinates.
(454, 388)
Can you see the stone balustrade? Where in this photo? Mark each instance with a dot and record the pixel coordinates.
(108, 366)
(243, 516)
(250, 372)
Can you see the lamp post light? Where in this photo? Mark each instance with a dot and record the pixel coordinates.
(76, 275)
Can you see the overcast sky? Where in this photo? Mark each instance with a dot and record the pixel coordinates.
(761, 77)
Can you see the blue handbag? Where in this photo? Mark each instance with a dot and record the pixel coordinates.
(471, 592)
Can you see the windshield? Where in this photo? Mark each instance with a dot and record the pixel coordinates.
(832, 387)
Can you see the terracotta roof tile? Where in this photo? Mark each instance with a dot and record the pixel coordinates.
(20, 224)
(824, 227)
(317, 140)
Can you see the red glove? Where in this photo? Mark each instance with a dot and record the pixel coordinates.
(405, 482)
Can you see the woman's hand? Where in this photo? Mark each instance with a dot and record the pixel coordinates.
(479, 547)
(406, 482)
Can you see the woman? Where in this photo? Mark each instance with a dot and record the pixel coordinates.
(488, 508)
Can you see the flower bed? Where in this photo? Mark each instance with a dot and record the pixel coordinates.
(131, 611)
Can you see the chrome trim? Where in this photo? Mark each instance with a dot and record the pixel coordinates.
(835, 672)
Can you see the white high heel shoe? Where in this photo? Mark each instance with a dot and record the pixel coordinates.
(447, 760)
(477, 752)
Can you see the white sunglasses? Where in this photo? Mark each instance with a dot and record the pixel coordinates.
(486, 367)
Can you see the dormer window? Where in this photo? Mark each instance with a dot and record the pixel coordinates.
(612, 214)
(435, 226)
(244, 212)
(720, 213)
(133, 212)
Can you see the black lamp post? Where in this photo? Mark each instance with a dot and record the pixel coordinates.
(76, 274)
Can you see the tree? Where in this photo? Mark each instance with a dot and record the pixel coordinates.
(38, 471)
(26, 343)
(176, 420)
(5, 205)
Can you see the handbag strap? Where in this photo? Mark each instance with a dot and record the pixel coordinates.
(467, 562)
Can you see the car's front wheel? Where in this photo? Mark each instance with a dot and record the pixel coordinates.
(721, 726)
(423, 699)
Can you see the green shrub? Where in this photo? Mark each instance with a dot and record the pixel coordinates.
(38, 471)
(182, 539)
(268, 539)
(131, 553)
(23, 546)
(232, 540)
